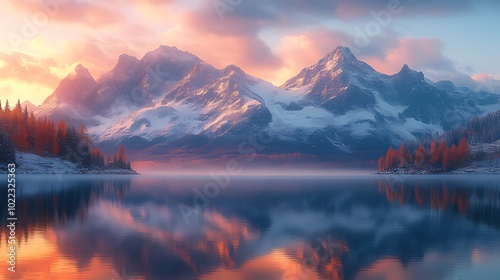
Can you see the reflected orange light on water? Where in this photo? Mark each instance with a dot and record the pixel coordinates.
(39, 258)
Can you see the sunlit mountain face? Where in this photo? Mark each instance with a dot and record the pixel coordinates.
(171, 102)
(323, 228)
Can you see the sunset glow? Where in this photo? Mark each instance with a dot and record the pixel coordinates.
(270, 40)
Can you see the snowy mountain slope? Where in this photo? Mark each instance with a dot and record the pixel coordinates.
(339, 105)
(366, 103)
(131, 85)
(72, 99)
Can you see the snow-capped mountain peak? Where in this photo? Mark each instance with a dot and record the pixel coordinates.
(339, 66)
(72, 98)
(81, 72)
(127, 61)
(338, 105)
(233, 70)
(410, 76)
(163, 53)
(339, 55)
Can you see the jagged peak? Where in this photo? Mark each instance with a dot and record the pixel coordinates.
(233, 70)
(127, 59)
(405, 67)
(126, 64)
(341, 54)
(407, 71)
(167, 48)
(80, 71)
(201, 68)
(445, 84)
(172, 53)
(345, 51)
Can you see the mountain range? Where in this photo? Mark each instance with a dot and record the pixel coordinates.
(171, 102)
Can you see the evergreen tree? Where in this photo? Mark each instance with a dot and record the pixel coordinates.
(7, 150)
(18, 106)
(7, 107)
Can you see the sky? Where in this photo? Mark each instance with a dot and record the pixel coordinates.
(43, 40)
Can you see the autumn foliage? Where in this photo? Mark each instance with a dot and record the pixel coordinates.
(439, 155)
(44, 137)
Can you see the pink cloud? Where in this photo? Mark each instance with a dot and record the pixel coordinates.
(91, 14)
(298, 51)
(419, 53)
(223, 42)
(235, 39)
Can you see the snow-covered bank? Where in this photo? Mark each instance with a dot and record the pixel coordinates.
(485, 160)
(33, 164)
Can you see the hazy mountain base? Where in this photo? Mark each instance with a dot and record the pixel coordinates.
(484, 159)
(33, 164)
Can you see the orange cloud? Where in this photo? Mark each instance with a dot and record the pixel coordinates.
(101, 31)
(18, 66)
(487, 82)
(23, 76)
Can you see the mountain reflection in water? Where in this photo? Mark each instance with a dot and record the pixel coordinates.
(372, 227)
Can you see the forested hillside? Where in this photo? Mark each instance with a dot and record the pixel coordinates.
(21, 130)
(435, 151)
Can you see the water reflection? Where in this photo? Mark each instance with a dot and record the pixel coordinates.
(44, 206)
(257, 228)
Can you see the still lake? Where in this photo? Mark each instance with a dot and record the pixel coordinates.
(254, 228)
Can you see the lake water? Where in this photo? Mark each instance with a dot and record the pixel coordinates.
(255, 228)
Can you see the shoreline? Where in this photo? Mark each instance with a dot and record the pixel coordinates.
(31, 164)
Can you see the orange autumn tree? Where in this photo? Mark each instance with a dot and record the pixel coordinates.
(405, 159)
(420, 157)
(40, 136)
(120, 159)
(381, 164)
(436, 155)
(463, 150)
(447, 159)
(391, 158)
